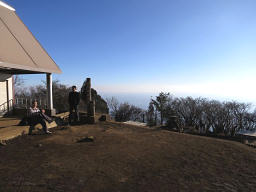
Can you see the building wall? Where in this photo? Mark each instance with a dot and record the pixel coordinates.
(3, 93)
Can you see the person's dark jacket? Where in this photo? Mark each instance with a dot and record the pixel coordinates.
(73, 98)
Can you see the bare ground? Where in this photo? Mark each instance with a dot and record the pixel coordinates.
(125, 158)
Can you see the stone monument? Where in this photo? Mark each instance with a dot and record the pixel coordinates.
(89, 103)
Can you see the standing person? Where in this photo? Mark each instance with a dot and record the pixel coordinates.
(36, 116)
(73, 100)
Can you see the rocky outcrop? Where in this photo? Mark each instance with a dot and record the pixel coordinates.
(100, 104)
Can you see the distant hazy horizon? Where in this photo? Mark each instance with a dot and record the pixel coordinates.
(140, 95)
(142, 100)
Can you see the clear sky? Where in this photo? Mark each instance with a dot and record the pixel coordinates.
(130, 47)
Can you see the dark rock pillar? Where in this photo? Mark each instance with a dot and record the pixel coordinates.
(89, 102)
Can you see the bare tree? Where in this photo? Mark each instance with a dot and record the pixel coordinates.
(160, 104)
(113, 105)
(124, 111)
(39, 92)
(19, 85)
(206, 116)
(151, 112)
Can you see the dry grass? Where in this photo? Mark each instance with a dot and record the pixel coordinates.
(125, 158)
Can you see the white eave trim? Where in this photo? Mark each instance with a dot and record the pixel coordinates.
(11, 66)
(6, 6)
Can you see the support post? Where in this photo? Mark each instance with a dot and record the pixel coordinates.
(7, 96)
(49, 95)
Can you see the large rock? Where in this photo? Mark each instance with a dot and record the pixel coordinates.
(100, 104)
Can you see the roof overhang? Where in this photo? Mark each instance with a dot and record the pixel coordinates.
(9, 68)
(20, 52)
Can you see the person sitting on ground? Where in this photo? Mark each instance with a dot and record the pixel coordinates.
(73, 100)
(36, 116)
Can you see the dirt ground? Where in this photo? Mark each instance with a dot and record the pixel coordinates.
(125, 158)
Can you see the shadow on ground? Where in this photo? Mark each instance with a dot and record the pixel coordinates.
(125, 158)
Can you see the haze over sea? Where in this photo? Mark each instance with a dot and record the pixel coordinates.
(135, 49)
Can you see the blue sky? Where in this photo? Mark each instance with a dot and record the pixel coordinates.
(141, 47)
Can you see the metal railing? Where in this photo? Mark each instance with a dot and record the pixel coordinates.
(21, 103)
(6, 107)
(27, 102)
